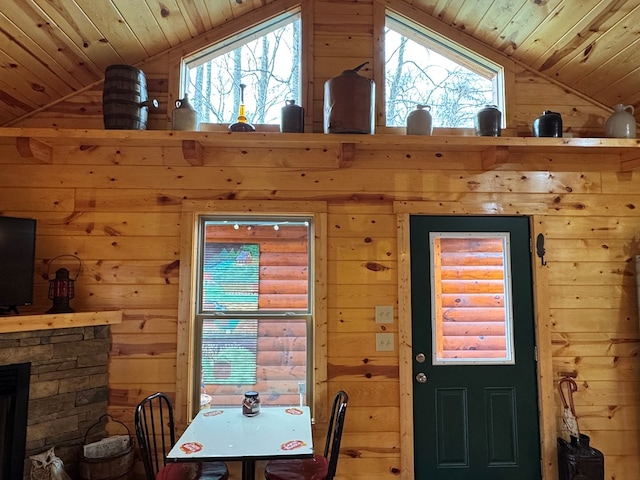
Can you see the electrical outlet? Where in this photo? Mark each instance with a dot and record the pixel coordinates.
(384, 342)
(384, 313)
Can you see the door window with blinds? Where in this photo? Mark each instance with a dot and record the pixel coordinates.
(254, 304)
(472, 316)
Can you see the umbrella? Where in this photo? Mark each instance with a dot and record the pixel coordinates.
(569, 414)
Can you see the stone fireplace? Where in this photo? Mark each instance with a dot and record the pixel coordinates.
(14, 399)
(67, 390)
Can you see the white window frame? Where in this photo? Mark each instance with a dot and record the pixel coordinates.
(458, 53)
(230, 43)
(187, 380)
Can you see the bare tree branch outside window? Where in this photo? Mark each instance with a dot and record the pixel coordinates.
(270, 68)
(417, 75)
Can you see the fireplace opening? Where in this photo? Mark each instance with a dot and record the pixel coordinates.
(14, 402)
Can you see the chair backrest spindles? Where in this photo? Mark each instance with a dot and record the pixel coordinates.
(334, 432)
(154, 425)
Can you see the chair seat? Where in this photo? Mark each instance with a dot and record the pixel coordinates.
(178, 471)
(194, 471)
(213, 471)
(297, 469)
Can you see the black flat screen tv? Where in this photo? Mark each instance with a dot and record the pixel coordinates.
(17, 261)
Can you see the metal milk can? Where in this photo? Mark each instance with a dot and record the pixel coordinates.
(349, 103)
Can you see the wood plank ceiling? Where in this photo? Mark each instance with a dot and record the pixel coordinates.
(51, 48)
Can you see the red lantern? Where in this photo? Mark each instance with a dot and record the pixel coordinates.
(61, 289)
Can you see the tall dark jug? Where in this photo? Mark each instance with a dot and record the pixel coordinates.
(488, 122)
(549, 124)
(349, 103)
(292, 118)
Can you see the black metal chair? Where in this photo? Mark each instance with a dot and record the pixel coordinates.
(155, 431)
(320, 467)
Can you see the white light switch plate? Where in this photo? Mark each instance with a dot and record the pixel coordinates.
(384, 342)
(384, 313)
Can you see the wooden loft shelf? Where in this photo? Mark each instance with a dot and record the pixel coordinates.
(28, 323)
(38, 143)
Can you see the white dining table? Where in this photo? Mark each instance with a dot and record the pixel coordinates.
(225, 434)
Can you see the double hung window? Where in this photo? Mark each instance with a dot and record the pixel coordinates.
(251, 307)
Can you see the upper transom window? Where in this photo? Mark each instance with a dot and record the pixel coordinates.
(422, 67)
(265, 58)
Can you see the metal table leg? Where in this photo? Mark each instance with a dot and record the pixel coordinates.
(248, 469)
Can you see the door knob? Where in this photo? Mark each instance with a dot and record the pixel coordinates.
(421, 378)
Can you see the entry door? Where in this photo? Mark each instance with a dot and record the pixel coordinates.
(475, 405)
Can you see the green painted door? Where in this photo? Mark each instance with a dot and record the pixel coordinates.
(475, 404)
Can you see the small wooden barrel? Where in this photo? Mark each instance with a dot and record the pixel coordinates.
(124, 98)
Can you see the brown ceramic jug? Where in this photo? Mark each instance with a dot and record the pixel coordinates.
(292, 118)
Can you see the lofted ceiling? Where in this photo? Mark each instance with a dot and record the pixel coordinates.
(51, 48)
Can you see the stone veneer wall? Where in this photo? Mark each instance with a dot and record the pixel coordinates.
(67, 388)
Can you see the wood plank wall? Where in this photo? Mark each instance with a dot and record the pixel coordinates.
(118, 208)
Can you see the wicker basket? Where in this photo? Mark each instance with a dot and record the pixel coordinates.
(118, 466)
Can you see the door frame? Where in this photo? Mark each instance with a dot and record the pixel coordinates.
(546, 403)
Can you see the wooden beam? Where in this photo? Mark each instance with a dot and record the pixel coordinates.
(193, 152)
(494, 155)
(29, 323)
(629, 160)
(29, 147)
(346, 154)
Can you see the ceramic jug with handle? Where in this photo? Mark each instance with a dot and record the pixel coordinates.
(622, 123)
(488, 122)
(292, 118)
(549, 124)
(419, 121)
(185, 117)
